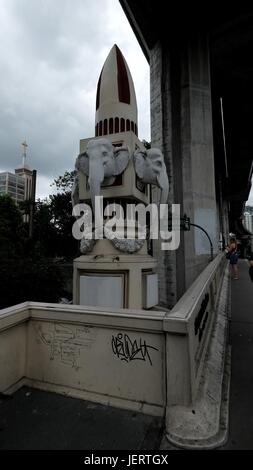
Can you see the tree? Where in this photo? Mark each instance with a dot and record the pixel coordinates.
(31, 278)
(62, 220)
(25, 273)
(65, 182)
(44, 240)
(12, 228)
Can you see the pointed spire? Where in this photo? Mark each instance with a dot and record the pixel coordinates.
(24, 145)
(116, 107)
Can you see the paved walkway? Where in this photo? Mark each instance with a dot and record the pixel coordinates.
(241, 338)
(34, 419)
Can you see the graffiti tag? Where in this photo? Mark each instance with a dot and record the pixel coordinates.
(131, 350)
(201, 318)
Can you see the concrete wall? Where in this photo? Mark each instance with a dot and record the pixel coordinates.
(193, 319)
(135, 359)
(13, 341)
(110, 357)
(112, 363)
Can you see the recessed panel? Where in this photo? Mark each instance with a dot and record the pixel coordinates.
(102, 291)
(150, 290)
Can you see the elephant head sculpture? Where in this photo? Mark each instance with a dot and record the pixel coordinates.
(150, 168)
(102, 162)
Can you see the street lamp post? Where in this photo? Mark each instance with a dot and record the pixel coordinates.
(186, 224)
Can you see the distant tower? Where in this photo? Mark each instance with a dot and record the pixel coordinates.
(24, 145)
(21, 185)
(27, 173)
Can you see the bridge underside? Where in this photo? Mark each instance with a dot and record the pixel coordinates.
(230, 36)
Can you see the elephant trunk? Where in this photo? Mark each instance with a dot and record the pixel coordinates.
(164, 185)
(96, 176)
(94, 191)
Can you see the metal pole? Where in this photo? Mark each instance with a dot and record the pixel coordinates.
(32, 203)
(210, 241)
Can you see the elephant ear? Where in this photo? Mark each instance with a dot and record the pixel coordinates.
(82, 163)
(140, 163)
(122, 157)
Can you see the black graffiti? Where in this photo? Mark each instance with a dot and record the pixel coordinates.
(199, 326)
(127, 350)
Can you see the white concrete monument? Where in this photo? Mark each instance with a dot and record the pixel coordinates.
(116, 272)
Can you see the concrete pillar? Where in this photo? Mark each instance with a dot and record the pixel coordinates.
(181, 123)
(161, 137)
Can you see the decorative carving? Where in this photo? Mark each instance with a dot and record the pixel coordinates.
(102, 162)
(86, 246)
(150, 169)
(127, 246)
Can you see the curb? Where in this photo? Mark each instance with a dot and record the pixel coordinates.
(210, 416)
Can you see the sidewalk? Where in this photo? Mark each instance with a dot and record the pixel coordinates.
(241, 339)
(36, 420)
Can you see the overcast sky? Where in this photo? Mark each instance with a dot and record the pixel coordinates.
(51, 55)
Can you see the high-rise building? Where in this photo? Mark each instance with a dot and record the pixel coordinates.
(248, 221)
(21, 185)
(12, 184)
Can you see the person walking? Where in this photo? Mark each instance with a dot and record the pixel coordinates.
(233, 255)
(251, 267)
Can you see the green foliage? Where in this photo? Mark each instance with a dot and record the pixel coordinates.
(28, 267)
(34, 278)
(146, 144)
(52, 227)
(12, 228)
(64, 183)
(53, 220)
(44, 240)
(32, 268)
(62, 220)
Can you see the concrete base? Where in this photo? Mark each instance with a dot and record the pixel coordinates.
(130, 269)
(204, 424)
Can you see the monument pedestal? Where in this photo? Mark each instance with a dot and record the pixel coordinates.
(109, 278)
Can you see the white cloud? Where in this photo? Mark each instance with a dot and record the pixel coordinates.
(51, 55)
